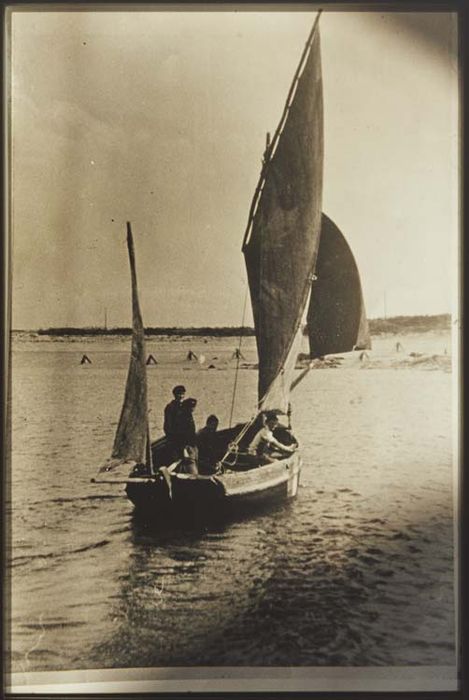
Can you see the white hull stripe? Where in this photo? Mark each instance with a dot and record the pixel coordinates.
(258, 487)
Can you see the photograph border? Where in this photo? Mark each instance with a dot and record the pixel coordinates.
(242, 685)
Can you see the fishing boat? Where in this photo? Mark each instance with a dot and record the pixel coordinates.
(301, 275)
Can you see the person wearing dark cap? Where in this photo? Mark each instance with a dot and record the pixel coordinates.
(179, 426)
(173, 411)
(173, 420)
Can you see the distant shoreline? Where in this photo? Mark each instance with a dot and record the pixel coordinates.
(378, 326)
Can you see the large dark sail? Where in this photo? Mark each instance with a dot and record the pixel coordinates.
(282, 239)
(132, 432)
(336, 315)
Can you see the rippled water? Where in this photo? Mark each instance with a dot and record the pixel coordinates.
(357, 570)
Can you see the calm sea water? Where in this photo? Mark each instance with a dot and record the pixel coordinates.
(357, 570)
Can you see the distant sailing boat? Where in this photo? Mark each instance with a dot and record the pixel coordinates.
(299, 268)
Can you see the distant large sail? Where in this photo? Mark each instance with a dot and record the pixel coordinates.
(336, 316)
(282, 239)
(132, 432)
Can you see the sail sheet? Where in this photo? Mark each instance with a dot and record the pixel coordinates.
(132, 432)
(336, 315)
(282, 239)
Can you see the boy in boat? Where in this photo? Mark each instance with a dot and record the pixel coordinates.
(188, 462)
(186, 440)
(186, 424)
(264, 442)
(206, 443)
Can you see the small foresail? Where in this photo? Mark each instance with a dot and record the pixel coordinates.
(336, 315)
(132, 436)
(282, 238)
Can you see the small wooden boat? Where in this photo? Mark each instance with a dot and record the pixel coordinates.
(296, 261)
(236, 486)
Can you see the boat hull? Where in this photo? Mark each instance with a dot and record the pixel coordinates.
(204, 497)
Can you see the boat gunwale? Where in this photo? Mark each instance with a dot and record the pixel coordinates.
(251, 485)
(254, 486)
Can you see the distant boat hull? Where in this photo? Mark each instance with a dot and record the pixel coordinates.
(203, 497)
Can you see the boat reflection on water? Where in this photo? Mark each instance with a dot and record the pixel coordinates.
(164, 525)
(186, 591)
(255, 591)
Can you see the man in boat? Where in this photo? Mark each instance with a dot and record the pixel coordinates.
(178, 424)
(184, 440)
(207, 446)
(173, 411)
(264, 442)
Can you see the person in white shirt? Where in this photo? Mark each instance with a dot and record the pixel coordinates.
(264, 441)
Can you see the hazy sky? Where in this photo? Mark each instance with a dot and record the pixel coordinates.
(160, 118)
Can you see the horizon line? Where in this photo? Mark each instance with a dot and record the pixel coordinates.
(206, 327)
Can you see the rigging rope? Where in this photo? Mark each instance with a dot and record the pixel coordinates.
(238, 355)
(233, 446)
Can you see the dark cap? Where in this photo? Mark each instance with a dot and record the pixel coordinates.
(179, 389)
(271, 415)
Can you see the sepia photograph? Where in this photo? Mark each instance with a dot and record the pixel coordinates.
(233, 391)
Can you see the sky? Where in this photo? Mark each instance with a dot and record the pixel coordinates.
(160, 118)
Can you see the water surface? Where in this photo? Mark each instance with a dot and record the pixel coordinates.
(357, 570)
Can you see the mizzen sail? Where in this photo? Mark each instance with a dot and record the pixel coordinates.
(336, 315)
(132, 436)
(282, 238)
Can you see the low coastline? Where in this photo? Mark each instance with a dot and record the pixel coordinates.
(396, 325)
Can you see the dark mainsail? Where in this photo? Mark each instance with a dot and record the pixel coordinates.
(336, 315)
(132, 432)
(282, 239)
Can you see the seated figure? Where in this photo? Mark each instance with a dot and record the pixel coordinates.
(188, 463)
(207, 446)
(265, 444)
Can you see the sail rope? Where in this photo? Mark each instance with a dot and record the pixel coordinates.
(233, 446)
(238, 355)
